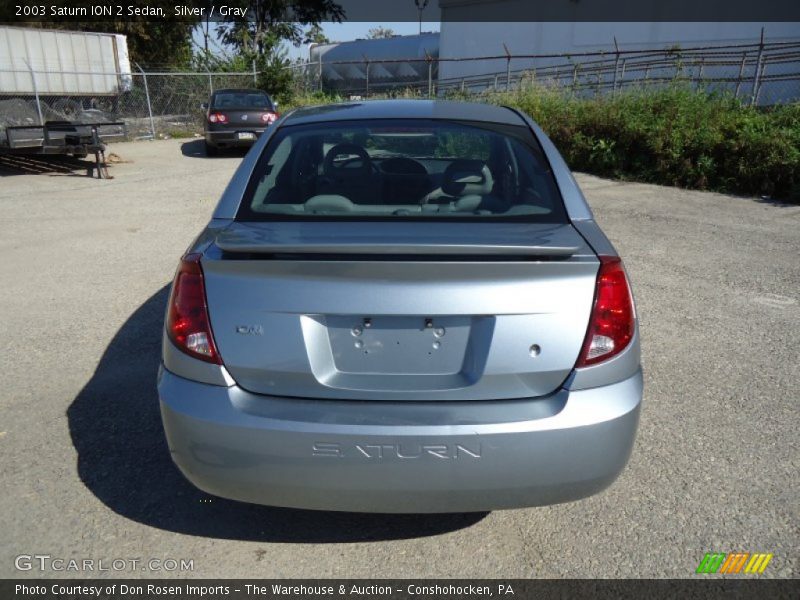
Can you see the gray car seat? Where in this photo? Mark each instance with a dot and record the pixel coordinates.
(465, 183)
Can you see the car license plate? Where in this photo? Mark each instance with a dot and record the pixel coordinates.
(246, 135)
(398, 345)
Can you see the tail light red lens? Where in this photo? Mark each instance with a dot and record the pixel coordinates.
(269, 117)
(217, 118)
(187, 319)
(612, 322)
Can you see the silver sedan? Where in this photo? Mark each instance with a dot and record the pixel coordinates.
(401, 306)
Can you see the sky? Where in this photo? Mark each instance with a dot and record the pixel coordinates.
(353, 29)
(343, 32)
(347, 31)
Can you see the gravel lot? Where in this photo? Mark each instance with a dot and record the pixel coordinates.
(86, 473)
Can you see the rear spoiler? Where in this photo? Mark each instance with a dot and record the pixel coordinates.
(371, 248)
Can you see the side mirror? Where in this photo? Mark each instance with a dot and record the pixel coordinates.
(204, 106)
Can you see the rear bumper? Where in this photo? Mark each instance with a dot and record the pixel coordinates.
(399, 456)
(229, 138)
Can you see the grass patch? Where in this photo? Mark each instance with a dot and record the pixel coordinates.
(180, 134)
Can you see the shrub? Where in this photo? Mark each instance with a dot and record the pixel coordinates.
(674, 136)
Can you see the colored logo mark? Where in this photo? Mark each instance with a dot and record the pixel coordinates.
(734, 562)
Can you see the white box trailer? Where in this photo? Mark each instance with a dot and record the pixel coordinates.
(81, 69)
(52, 84)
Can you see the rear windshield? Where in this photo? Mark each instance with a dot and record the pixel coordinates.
(403, 169)
(242, 100)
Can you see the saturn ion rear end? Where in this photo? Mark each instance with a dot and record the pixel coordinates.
(401, 306)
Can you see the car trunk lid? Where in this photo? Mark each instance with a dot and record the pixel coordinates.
(399, 311)
(241, 119)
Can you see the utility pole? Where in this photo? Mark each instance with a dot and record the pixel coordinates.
(421, 4)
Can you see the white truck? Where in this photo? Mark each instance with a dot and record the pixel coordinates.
(62, 72)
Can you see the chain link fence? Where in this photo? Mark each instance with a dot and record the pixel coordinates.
(763, 73)
(167, 103)
(152, 104)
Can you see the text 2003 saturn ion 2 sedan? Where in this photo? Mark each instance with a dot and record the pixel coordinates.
(401, 306)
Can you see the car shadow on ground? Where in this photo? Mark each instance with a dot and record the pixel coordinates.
(123, 459)
(197, 149)
(775, 202)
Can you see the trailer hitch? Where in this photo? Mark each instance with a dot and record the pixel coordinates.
(100, 165)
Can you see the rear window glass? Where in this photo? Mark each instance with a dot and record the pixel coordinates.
(242, 100)
(402, 169)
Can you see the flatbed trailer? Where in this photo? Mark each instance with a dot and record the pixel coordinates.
(65, 138)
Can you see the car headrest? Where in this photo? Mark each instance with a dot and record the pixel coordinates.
(329, 202)
(364, 169)
(465, 177)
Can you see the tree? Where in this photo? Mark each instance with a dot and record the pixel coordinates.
(315, 35)
(159, 43)
(267, 23)
(379, 32)
(260, 35)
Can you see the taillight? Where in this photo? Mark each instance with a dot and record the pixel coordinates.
(612, 322)
(268, 117)
(187, 319)
(217, 118)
